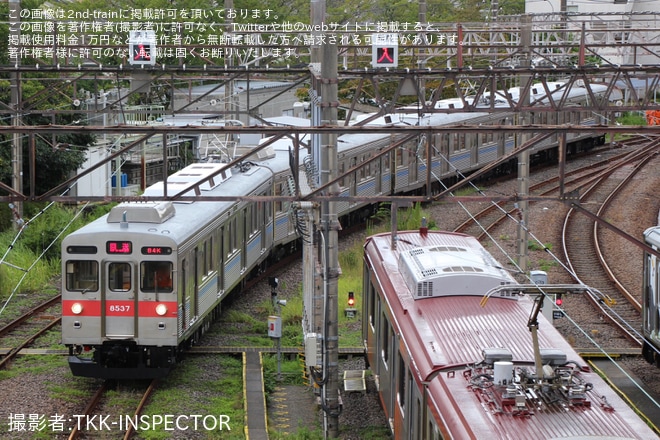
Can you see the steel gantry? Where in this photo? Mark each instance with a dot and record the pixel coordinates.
(475, 63)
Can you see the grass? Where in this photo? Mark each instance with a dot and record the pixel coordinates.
(535, 246)
(629, 118)
(33, 365)
(183, 393)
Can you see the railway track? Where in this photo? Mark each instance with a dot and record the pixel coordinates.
(483, 222)
(93, 406)
(612, 303)
(31, 324)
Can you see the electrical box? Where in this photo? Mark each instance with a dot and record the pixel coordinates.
(274, 327)
(538, 276)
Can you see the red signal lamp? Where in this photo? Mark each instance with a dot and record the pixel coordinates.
(558, 300)
(351, 299)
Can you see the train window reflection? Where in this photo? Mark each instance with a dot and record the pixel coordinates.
(119, 277)
(82, 276)
(156, 276)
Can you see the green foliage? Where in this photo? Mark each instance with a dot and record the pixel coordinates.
(535, 246)
(291, 371)
(632, 118)
(546, 265)
(21, 258)
(351, 259)
(407, 219)
(33, 239)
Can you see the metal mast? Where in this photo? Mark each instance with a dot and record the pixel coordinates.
(15, 84)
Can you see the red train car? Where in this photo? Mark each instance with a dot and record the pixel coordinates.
(450, 365)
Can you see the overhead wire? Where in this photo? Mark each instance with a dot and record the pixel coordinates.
(520, 271)
(16, 238)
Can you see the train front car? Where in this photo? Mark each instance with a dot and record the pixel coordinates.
(651, 298)
(119, 305)
(452, 365)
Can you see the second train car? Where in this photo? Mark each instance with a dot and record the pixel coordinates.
(450, 365)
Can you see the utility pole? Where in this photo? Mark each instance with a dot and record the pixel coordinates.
(16, 102)
(324, 152)
(330, 226)
(523, 158)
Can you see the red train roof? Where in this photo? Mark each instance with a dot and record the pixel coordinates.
(447, 336)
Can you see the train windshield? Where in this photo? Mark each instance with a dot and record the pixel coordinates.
(156, 276)
(119, 277)
(82, 276)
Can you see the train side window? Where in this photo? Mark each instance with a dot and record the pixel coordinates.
(433, 431)
(82, 276)
(401, 385)
(119, 277)
(372, 306)
(156, 276)
(209, 255)
(278, 193)
(385, 339)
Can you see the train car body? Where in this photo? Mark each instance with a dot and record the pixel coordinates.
(145, 281)
(450, 365)
(651, 299)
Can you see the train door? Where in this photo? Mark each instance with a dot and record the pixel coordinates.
(650, 304)
(184, 304)
(354, 178)
(246, 236)
(221, 259)
(119, 301)
(198, 270)
(413, 166)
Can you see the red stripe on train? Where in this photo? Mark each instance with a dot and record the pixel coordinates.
(125, 308)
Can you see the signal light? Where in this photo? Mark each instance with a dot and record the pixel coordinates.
(558, 300)
(351, 299)
(384, 50)
(142, 48)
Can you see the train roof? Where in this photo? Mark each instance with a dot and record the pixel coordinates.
(652, 236)
(180, 220)
(452, 336)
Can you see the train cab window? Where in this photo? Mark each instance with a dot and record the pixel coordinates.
(82, 276)
(119, 277)
(156, 276)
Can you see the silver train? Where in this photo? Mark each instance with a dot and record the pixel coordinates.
(142, 283)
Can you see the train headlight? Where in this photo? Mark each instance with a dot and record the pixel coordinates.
(161, 309)
(76, 308)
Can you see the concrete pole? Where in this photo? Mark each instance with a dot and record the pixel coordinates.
(16, 102)
(330, 225)
(523, 158)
